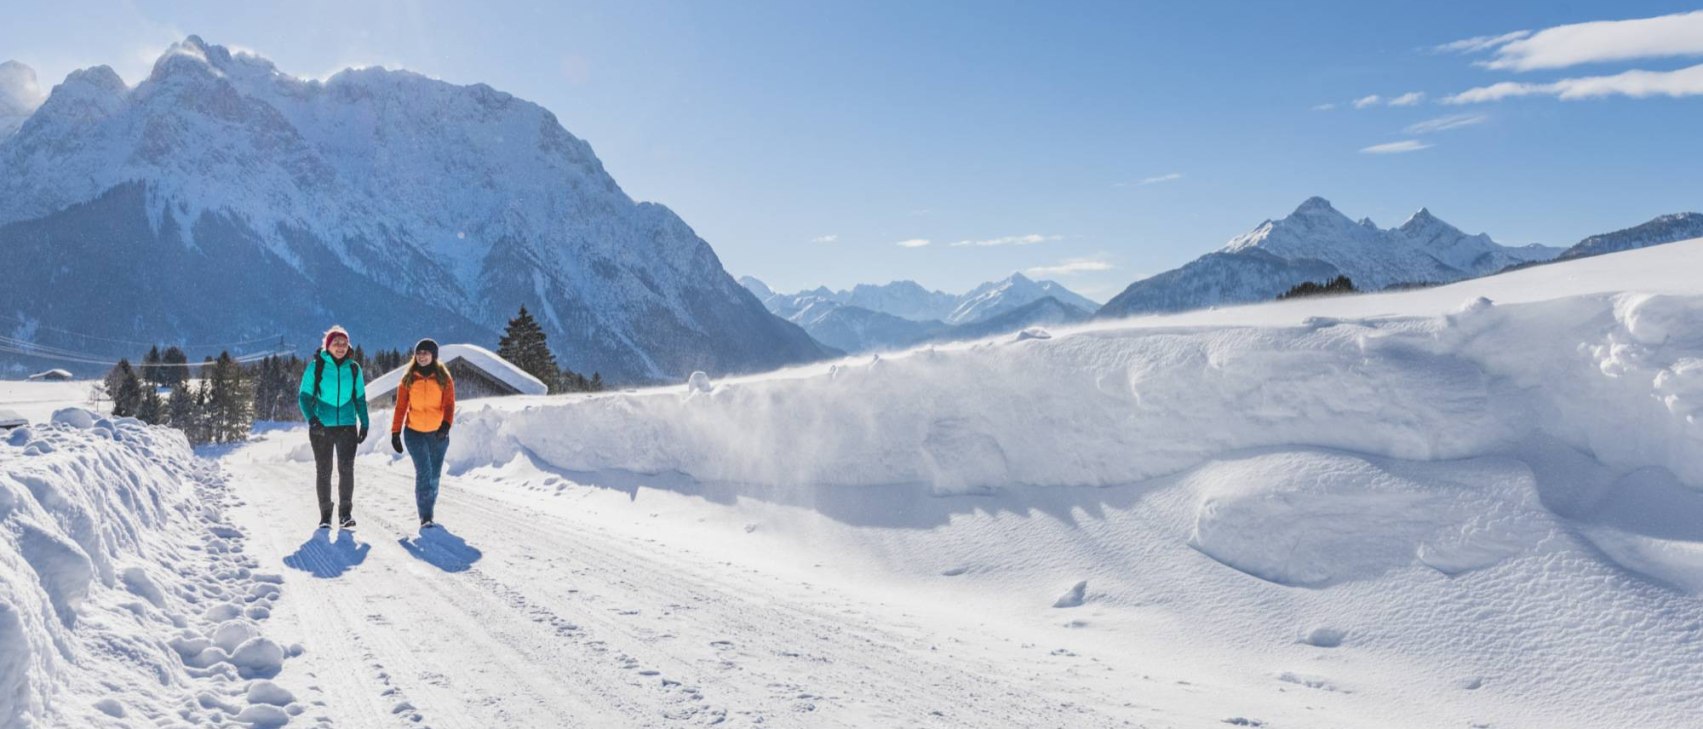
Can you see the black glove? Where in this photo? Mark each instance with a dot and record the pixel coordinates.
(314, 426)
(396, 441)
(443, 430)
(361, 437)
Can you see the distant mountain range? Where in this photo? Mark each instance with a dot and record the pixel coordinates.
(221, 199)
(868, 318)
(1316, 243)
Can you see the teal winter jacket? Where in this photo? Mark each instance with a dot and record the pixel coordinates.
(342, 396)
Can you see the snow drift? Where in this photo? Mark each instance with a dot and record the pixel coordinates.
(123, 594)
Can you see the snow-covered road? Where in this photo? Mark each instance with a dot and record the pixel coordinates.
(517, 615)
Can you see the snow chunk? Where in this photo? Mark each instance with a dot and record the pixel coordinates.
(1033, 333)
(258, 657)
(699, 382)
(80, 418)
(1074, 597)
(266, 692)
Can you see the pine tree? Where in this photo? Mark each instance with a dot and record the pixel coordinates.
(152, 410)
(230, 402)
(151, 366)
(597, 382)
(180, 409)
(524, 344)
(125, 389)
(173, 370)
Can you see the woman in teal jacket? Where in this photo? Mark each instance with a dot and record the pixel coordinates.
(333, 398)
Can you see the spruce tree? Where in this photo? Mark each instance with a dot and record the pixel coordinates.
(174, 370)
(125, 389)
(524, 344)
(230, 403)
(151, 366)
(597, 382)
(180, 409)
(152, 410)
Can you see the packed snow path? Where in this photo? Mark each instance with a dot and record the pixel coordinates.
(516, 616)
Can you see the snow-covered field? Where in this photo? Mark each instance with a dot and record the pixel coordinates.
(1475, 505)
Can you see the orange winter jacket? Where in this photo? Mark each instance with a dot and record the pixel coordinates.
(424, 403)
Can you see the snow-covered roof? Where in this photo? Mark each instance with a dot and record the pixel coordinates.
(483, 359)
(54, 374)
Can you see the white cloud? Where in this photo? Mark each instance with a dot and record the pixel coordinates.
(1069, 267)
(1445, 123)
(1366, 101)
(1010, 240)
(1637, 84)
(1324, 107)
(1666, 36)
(913, 243)
(830, 238)
(1481, 43)
(1161, 178)
(1408, 99)
(1405, 145)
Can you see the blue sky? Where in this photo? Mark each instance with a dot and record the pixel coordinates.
(1092, 143)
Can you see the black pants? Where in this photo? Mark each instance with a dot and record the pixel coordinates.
(339, 439)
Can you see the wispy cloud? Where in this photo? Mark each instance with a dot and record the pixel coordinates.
(1161, 178)
(1405, 145)
(1010, 240)
(1445, 123)
(913, 243)
(1636, 84)
(1481, 43)
(1366, 101)
(1666, 36)
(1069, 267)
(829, 238)
(1324, 107)
(1408, 99)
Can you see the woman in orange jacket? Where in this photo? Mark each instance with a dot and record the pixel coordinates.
(425, 402)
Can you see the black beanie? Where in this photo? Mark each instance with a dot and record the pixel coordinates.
(429, 346)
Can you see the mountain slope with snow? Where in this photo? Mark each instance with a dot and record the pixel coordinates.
(1317, 243)
(1665, 229)
(358, 199)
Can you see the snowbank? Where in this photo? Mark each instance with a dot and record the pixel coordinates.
(1619, 376)
(122, 592)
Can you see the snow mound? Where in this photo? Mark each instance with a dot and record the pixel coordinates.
(90, 510)
(699, 382)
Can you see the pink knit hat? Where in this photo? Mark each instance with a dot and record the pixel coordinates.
(332, 333)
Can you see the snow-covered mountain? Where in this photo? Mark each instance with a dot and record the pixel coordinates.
(19, 96)
(994, 298)
(221, 199)
(1665, 229)
(867, 318)
(1314, 243)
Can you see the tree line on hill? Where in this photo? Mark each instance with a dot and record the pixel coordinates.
(225, 397)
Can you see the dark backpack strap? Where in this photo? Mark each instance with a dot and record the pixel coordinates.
(318, 371)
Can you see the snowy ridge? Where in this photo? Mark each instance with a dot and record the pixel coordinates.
(1316, 243)
(460, 203)
(124, 592)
